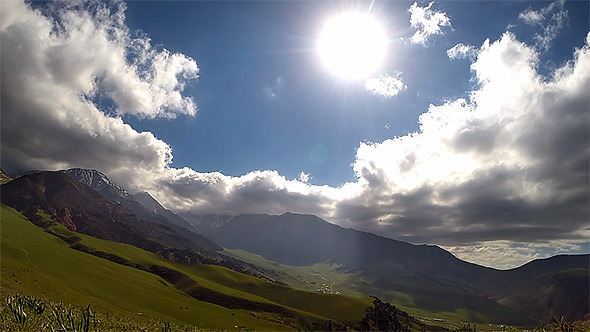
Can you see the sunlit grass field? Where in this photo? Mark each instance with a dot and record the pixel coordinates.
(40, 264)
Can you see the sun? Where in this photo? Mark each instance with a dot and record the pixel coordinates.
(352, 45)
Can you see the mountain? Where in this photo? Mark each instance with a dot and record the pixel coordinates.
(421, 276)
(151, 204)
(206, 223)
(553, 264)
(556, 286)
(562, 294)
(82, 209)
(99, 182)
(142, 204)
(301, 240)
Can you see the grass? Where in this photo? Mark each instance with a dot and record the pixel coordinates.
(39, 264)
(309, 305)
(335, 307)
(327, 278)
(27, 313)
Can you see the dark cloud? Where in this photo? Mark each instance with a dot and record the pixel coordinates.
(510, 164)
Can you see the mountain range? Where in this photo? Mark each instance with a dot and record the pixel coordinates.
(424, 279)
(396, 270)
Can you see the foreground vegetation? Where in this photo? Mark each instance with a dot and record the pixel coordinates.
(554, 325)
(29, 313)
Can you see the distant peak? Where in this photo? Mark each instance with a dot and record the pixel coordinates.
(95, 180)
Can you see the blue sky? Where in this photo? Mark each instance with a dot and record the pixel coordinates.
(472, 134)
(242, 49)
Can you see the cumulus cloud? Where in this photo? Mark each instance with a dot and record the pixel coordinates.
(255, 192)
(509, 164)
(56, 68)
(427, 22)
(551, 19)
(462, 51)
(385, 85)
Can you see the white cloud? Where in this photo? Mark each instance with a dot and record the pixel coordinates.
(427, 22)
(304, 177)
(510, 163)
(531, 17)
(498, 254)
(551, 19)
(52, 69)
(503, 254)
(462, 51)
(536, 17)
(255, 192)
(385, 85)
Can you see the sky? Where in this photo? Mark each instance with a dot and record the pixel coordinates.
(471, 133)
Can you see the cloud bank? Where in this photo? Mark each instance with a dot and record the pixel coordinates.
(506, 166)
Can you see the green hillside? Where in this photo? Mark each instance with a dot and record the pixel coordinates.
(41, 264)
(36, 263)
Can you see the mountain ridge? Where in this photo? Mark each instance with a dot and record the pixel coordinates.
(388, 264)
(83, 209)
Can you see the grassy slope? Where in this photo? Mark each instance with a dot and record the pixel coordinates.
(229, 282)
(334, 307)
(34, 262)
(311, 306)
